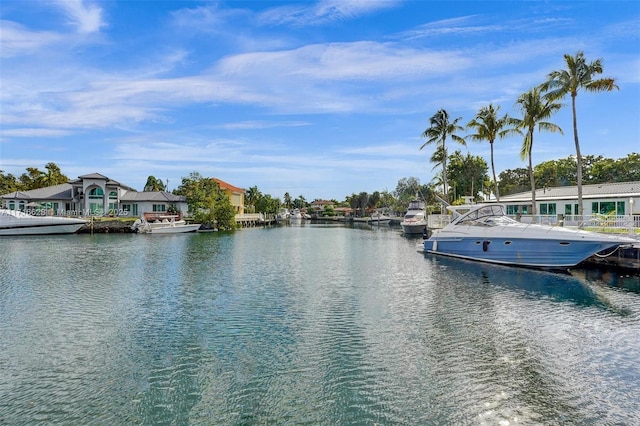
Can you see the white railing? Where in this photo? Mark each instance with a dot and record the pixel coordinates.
(250, 217)
(597, 220)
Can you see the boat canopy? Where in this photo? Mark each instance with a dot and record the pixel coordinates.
(480, 215)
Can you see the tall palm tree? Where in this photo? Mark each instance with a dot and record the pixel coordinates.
(488, 127)
(438, 131)
(578, 75)
(534, 110)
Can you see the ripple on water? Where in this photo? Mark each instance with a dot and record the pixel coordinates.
(304, 325)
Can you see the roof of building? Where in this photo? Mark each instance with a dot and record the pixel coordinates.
(225, 185)
(160, 196)
(55, 192)
(98, 176)
(600, 190)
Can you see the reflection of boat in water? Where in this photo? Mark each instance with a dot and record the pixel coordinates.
(14, 222)
(559, 287)
(415, 219)
(484, 233)
(166, 225)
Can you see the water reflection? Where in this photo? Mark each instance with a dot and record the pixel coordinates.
(533, 283)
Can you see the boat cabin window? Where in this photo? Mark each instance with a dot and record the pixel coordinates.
(485, 216)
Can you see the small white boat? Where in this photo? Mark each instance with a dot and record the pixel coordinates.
(14, 222)
(415, 220)
(484, 232)
(283, 215)
(378, 218)
(164, 226)
(296, 215)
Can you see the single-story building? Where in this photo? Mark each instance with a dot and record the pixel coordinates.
(620, 198)
(94, 195)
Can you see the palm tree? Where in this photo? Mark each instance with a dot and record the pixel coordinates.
(534, 110)
(251, 196)
(488, 127)
(440, 127)
(578, 75)
(154, 184)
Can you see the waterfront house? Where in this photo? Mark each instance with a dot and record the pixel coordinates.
(235, 195)
(603, 199)
(94, 195)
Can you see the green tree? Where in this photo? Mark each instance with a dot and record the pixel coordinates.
(265, 203)
(251, 197)
(223, 211)
(489, 127)
(300, 202)
(534, 111)
(32, 178)
(578, 75)
(8, 183)
(52, 176)
(514, 180)
(468, 174)
(287, 200)
(154, 184)
(440, 128)
(207, 202)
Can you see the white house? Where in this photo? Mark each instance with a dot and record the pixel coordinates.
(622, 198)
(94, 195)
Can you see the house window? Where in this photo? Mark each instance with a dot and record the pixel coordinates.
(96, 204)
(548, 208)
(113, 202)
(12, 205)
(570, 209)
(608, 207)
(159, 208)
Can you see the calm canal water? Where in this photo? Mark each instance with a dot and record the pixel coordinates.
(314, 324)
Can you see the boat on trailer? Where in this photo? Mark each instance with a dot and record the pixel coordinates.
(484, 232)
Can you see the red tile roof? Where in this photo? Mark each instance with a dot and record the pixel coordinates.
(225, 185)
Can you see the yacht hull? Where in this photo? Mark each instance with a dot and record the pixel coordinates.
(538, 253)
(42, 229)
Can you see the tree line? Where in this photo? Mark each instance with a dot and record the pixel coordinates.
(536, 107)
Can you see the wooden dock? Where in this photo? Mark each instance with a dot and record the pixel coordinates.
(250, 220)
(627, 258)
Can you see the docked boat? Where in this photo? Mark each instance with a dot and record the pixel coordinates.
(296, 215)
(415, 220)
(283, 215)
(378, 218)
(485, 233)
(164, 226)
(14, 222)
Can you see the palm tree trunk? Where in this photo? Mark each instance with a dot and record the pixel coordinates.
(493, 169)
(532, 180)
(444, 175)
(578, 160)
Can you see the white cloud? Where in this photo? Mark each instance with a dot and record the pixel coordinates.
(322, 12)
(16, 40)
(87, 18)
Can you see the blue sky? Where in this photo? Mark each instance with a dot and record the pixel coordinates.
(320, 99)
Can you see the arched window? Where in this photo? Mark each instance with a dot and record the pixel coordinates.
(96, 201)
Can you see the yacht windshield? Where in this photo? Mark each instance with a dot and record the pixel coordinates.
(493, 215)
